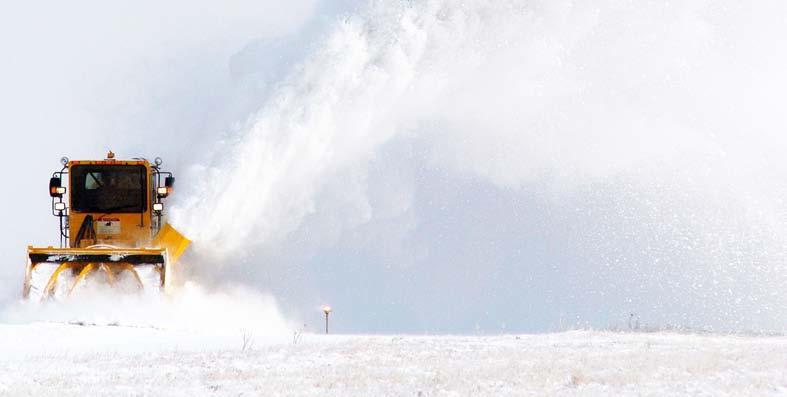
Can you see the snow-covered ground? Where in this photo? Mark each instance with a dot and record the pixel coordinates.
(59, 359)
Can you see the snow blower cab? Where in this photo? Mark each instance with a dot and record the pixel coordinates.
(111, 231)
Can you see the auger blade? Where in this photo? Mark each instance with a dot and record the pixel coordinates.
(56, 273)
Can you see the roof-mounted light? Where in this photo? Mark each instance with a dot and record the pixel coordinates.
(64, 160)
(158, 161)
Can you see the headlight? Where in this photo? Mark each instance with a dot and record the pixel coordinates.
(162, 191)
(61, 190)
(158, 207)
(60, 206)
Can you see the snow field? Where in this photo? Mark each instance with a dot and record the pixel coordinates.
(101, 360)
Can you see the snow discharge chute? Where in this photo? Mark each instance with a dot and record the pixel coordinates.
(111, 229)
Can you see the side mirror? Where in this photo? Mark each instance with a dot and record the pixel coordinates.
(164, 191)
(55, 188)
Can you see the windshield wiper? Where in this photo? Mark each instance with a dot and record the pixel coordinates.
(95, 179)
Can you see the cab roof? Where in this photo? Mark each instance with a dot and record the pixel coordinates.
(109, 162)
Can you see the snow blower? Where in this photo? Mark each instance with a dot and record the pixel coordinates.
(111, 230)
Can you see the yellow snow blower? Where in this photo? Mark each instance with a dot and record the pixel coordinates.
(111, 230)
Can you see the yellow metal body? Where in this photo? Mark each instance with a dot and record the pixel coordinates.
(135, 228)
(171, 240)
(117, 243)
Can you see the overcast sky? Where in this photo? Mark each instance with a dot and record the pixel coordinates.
(428, 166)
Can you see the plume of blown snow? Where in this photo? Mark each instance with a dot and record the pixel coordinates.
(659, 121)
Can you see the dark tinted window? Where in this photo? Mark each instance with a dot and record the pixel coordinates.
(108, 188)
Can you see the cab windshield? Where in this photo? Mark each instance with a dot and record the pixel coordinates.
(108, 188)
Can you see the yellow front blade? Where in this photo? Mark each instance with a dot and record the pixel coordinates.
(174, 242)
